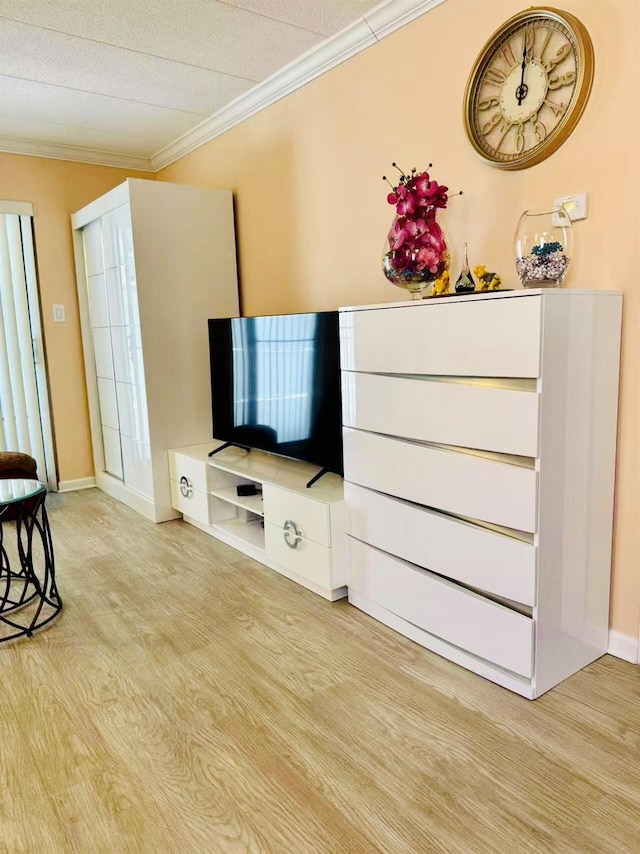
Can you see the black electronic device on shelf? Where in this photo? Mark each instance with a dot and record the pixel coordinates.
(244, 489)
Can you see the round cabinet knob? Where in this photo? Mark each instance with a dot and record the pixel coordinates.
(292, 535)
(186, 487)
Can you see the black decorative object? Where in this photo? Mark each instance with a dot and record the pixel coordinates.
(465, 283)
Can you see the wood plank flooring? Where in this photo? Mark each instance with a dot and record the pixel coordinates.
(190, 700)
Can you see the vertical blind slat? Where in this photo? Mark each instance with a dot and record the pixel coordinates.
(41, 402)
(25, 343)
(13, 342)
(6, 393)
(21, 428)
(6, 397)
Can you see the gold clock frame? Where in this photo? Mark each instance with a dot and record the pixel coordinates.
(584, 82)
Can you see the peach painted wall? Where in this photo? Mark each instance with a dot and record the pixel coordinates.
(57, 189)
(311, 210)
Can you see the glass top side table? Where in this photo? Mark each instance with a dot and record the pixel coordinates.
(29, 598)
(12, 491)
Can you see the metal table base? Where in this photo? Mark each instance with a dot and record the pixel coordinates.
(29, 598)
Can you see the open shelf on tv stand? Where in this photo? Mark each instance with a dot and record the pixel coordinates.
(312, 480)
(250, 503)
(296, 530)
(261, 467)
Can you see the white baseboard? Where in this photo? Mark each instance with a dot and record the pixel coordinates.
(79, 483)
(624, 646)
(140, 503)
(114, 487)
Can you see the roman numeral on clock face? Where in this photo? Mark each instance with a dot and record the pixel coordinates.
(508, 55)
(495, 76)
(558, 110)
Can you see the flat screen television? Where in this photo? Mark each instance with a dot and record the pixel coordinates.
(275, 385)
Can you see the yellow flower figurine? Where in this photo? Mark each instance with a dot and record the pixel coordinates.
(441, 285)
(486, 281)
(480, 273)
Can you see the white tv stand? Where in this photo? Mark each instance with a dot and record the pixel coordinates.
(297, 531)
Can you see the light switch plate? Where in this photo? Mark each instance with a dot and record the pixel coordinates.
(59, 315)
(575, 206)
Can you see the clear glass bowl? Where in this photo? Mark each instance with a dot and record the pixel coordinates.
(543, 247)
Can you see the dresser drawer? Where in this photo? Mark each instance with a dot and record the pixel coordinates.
(487, 337)
(458, 616)
(464, 552)
(451, 413)
(459, 483)
(190, 502)
(180, 465)
(310, 516)
(306, 559)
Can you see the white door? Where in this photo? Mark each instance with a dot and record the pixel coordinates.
(25, 421)
(102, 346)
(126, 344)
(117, 346)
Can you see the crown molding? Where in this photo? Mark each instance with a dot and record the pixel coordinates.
(385, 19)
(363, 33)
(307, 67)
(76, 154)
(391, 16)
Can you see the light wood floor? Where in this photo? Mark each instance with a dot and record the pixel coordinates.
(190, 700)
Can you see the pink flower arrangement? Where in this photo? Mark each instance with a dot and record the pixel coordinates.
(417, 248)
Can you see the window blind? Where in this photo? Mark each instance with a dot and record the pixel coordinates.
(20, 418)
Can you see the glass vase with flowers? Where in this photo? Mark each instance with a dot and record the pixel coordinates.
(416, 253)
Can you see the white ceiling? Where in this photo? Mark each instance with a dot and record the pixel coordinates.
(130, 76)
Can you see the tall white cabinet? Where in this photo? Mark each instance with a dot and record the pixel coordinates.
(479, 457)
(154, 261)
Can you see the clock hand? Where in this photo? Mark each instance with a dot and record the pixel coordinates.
(521, 91)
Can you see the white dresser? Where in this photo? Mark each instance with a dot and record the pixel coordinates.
(479, 452)
(154, 261)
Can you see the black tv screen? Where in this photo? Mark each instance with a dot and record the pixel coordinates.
(275, 385)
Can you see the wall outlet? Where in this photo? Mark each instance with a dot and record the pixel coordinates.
(575, 206)
(59, 315)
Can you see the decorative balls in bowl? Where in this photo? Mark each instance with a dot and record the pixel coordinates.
(543, 248)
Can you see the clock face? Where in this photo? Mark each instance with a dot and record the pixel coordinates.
(528, 87)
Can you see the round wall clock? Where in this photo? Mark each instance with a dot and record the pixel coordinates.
(528, 87)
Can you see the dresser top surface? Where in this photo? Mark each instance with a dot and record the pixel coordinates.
(561, 293)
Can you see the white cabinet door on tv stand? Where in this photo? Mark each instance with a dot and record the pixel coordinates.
(297, 531)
